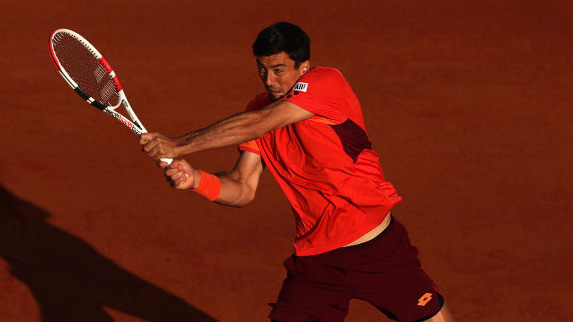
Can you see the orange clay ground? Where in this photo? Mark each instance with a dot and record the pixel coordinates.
(468, 104)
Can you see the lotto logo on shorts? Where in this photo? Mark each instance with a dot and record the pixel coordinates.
(422, 301)
(300, 87)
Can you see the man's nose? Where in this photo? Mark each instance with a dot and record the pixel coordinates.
(270, 79)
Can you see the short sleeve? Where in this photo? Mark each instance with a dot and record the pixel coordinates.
(323, 92)
(250, 146)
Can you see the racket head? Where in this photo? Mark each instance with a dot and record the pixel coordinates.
(85, 69)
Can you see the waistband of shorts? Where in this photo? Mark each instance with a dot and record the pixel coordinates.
(366, 244)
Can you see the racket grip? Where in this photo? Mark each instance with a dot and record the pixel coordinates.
(168, 160)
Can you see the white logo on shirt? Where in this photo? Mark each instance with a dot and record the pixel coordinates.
(301, 87)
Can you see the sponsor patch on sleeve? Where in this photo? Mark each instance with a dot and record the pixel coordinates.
(300, 87)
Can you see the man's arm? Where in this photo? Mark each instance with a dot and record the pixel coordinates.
(239, 128)
(238, 186)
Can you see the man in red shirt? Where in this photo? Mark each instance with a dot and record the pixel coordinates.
(307, 128)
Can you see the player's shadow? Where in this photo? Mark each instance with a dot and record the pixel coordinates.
(72, 281)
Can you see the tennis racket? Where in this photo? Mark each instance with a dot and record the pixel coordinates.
(91, 77)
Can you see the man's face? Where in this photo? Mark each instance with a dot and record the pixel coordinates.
(279, 74)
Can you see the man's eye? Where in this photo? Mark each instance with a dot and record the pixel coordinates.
(278, 71)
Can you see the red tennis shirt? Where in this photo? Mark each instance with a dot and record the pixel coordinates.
(325, 165)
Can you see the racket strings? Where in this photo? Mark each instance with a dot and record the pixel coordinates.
(83, 66)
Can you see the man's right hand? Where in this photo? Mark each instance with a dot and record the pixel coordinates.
(158, 146)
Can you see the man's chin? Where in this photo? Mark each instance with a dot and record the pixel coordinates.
(276, 96)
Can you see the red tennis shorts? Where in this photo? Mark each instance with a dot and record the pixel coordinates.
(384, 271)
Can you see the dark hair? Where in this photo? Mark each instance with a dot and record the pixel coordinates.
(283, 36)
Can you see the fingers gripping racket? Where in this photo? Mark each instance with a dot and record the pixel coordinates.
(91, 77)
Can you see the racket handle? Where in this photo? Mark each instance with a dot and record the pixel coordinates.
(168, 160)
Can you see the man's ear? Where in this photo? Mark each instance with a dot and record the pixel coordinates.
(305, 66)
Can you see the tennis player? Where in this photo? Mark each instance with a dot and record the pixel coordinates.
(307, 128)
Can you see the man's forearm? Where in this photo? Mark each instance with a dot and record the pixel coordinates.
(237, 129)
(233, 130)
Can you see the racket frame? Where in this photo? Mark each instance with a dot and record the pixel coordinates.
(134, 124)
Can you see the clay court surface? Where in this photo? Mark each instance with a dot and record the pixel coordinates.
(468, 104)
